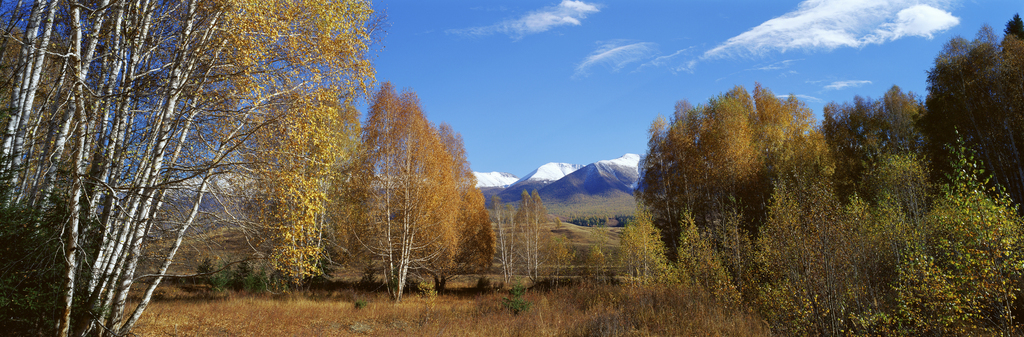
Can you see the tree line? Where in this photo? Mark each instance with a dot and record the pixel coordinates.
(599, 221)
(897, 215)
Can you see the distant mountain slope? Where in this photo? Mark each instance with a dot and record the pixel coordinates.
(542, 176)
(495, 179)
(489, 192)
(606, 178)
(604, 187)
(513, 193)
(550, 172)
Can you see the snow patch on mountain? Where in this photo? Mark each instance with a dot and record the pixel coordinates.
(495, 179)
(550, 172)
(627, 160)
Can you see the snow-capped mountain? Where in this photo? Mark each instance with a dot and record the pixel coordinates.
(628, 160)
(494, 179)
(626, 168)
(560, 181)
(550, 172)
(542, 176)
(608, 178)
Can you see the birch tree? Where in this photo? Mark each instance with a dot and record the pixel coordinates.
(505, 235)
(135, 111)
(530, 216)
(643, 252)
(409, 179)
(721, 158)
(976, 91)
(537, 236)
(474, 248)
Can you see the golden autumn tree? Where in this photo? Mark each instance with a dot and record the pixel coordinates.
(975, 92)
(505, 229)
(717, 164)
(311, 133)
(409, 182)
(475, 239)
(808, 252)
(561, 255)
(530, 216)
(860, 134)
(642, 251)
(699, 265)
(308, 162)
(717, 158)
(965, 276)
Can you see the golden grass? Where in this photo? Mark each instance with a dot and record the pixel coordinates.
(622, 204)
(607, 237)
(583, 310)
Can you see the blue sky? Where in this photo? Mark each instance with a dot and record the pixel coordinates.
(532, 82)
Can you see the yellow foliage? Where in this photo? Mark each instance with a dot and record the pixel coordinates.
(306, 63)
(643, 253)
(699, 265)
(408, 178)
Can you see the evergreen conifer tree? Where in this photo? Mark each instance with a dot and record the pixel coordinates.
(1015, 27)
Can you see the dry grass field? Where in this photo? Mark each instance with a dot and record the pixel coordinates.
(623, 204)
(586, 309)
(580, 309)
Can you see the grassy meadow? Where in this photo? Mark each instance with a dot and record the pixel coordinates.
(577, 306)
(580, 309)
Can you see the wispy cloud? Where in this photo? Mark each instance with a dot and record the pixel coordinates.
(669, 61)
(845, 84)
(569, 12)
(830, 24)
(616, 54)
(803, 97)
(778, 65)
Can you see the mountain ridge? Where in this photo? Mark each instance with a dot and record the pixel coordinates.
(570, 185)
(495, 179)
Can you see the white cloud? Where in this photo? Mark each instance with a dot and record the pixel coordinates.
(778, 65)
(830, 24)
(803, 97)
(688, 67)
(669, 60)
(846, 84)
(664, 59)
(616, 54)
(569, 12)
(922, 20)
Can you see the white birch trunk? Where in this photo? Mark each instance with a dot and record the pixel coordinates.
(20, 77)
(34, 72)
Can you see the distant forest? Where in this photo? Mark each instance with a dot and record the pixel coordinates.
(600, 221)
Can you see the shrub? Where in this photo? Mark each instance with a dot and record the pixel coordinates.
(483, 283)
(428, 290)
(205, 267)
(30, 273)
(517, 303)
(242, 277)
(369, 275)
(360, 304)
(241, 272)
(256, 282)
(220, 280)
